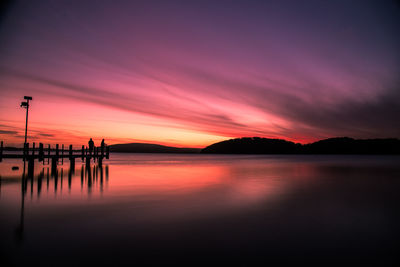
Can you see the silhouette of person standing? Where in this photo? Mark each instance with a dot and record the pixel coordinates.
(102, 147)
(91, 146)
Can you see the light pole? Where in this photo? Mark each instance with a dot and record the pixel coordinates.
(26, 105)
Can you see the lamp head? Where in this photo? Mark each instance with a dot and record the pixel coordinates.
(28, 97)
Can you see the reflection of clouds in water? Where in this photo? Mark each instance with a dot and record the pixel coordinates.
(249, 191)
(6, 168)
(266, 181)
(164, 179)
(151, 188)
(265, 206)
(177, 191)
(178, 184)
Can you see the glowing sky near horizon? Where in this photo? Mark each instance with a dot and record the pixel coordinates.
(190, 74)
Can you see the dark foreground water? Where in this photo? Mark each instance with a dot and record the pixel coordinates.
(148, 209)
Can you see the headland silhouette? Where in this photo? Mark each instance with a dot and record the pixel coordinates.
(339, 145)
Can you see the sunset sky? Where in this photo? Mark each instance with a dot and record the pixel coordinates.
(191, 73)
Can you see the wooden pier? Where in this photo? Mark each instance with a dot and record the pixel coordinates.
(55, 154)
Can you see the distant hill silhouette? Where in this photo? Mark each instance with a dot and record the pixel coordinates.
(346, 145)
(340, 145)
(150, 148)
(253, 145)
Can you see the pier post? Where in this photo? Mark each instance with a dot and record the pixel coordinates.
(57, 151)
(41, 152)
(70, 151)
(100, 161)
(33, 148)
(1, 151)
(62, 154)
(108, 152)
(48, 154)
(83, 152)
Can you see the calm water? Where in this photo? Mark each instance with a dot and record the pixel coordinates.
(202, 209)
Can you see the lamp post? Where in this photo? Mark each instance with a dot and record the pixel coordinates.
(25, 104)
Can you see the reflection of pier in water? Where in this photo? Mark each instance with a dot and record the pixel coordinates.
(90, 176)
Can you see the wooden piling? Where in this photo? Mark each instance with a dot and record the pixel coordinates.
(1, 151)
(70, 151)
(48, 154)
(41, 152)
(108, 152)
(57, 151)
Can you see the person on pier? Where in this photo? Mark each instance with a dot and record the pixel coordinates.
(91, 146)
(102, 147)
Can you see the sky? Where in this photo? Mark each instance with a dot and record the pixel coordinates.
(191, 73)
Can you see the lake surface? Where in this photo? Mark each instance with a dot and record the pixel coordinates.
(155, 209)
